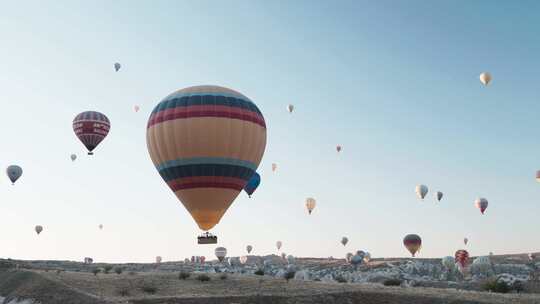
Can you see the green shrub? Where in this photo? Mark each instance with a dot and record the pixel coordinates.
(184, 275)
(107, 269)
(340, 279)
(203, 277)
(259, 272)
(392, 282)
(96, 270)
(289, 275)
(223, 276)
(495, 285)
(150, 289)
(118, 270)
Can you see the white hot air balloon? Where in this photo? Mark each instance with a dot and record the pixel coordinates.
(221, 253)
(279, 244)
(290, 108)
(243, 259)
(344, 240)
(421, 191)
(485, 78)
(73, 157)
(367, 257)
(136, 108)
(274, 167)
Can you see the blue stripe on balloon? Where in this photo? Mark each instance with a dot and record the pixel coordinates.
(205, 161)
(194, 170)
(208, 99)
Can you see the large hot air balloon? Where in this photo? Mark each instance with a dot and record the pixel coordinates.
(338, 148)
(449, 263)
(38, 229)
(421, 191)
(462, 258)
(482, 204)
(274, 167)
(290, 108)
(243, 259)
(91, 128)
(344, 240)
(206, 142)
(465, 241)
(136, 108)
(538, 176)
(252, 184)
(310, 204)
(438, 195)
(73, 157)
(413, 243)
(221, 253)
(117, 66)
(279, 244)
(249, 248)
(14, 172)
(485, 78)
(158, 260)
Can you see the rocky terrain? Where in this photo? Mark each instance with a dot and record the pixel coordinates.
(311, 281)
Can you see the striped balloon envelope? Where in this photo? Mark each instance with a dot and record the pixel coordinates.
(206, 143)
(91, 128)
(462, 257)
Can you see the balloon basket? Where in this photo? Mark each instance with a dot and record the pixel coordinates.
(207, 238)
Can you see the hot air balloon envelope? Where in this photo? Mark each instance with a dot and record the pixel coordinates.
(91, 128)
(206, 142)
(413, 243)
(252, 184)
(14, 172)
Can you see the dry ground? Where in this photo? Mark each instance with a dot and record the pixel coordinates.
(244, 289)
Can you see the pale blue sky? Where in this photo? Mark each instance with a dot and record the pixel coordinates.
(394, 82)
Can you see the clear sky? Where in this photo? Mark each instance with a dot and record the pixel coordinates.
(394, 82)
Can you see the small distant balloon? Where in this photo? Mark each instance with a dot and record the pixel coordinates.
(38, 229)
(117, 67)
(252, 184)
(344, 240)
(274, 167)
(413, 243)
(73, 157)
(136, 108)
(538, 176)
(100, 226)
(14, 172)
(531, 256)
(348, 257)
(91, 128)
(290, 108)
(438, 195)
(421, 191)
(485, 78)
(482, 204)
(465, 241)
(279, 244)
(221, 253)
(338, 148)
(243, 259)
(249, 248)
(367, 257)
(462, 258)
(310, 204)
(158, 260)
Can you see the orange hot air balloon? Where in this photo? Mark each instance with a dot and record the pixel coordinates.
(206, 142)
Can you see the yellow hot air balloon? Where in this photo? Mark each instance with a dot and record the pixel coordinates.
(485, 78)
(310, 204)
(206, 142)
